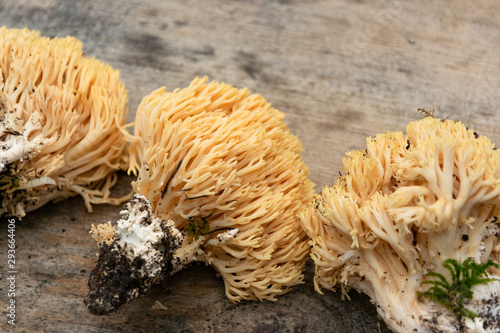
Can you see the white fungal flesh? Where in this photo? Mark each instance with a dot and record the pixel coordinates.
(139, 233)
(135, 234)
(192, 252)
(15, 145)
(223, 237)
(486, 304)
(187, 254)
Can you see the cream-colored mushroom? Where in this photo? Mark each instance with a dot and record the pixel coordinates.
(404, 207)
(223, 172)
(62, 117)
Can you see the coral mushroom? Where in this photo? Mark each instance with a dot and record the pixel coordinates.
(408, 209)
(220, 180)
(61, 119)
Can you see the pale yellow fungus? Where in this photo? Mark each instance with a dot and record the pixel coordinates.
(62, 116)
(221, 166)
(404, 206)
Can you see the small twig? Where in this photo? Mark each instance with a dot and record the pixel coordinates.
(430, 113)
(198, 197)
(165, 189)
(427, 113)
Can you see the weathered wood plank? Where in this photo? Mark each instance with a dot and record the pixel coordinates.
(340, 70)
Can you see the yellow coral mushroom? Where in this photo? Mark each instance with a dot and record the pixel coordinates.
(61, 122)
(220, 180)
(407, 206)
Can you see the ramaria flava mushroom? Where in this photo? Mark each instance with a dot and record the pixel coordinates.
(61, 119)
(413, 224)
(220, 180)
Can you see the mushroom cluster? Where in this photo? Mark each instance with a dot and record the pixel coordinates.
(220, 181)
(414, 224)
(61, 122)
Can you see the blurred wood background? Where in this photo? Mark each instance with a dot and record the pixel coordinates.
(341, 71)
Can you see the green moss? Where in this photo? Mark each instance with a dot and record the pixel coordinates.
(463, 277)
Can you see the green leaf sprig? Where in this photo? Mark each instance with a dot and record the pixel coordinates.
(198, 226)
(7, 181)
(463, 277)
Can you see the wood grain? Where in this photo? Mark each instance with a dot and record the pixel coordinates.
(340, 70)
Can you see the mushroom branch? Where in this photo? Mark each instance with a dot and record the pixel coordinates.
(61, 123)
(220, 181)
(414, 224)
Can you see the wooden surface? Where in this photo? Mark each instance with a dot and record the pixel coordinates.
(341, 70)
